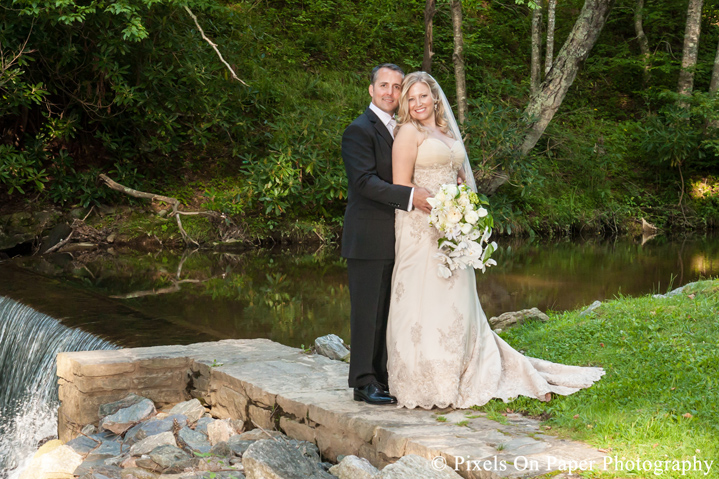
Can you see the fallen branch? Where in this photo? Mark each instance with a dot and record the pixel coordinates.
(60, 244)
(151, 196)
(214, 46)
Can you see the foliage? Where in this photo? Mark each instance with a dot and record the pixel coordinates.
(131, 89)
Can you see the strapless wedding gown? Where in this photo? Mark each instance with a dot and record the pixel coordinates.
(441, 350)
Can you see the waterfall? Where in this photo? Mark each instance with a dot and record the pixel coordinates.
(29, 343)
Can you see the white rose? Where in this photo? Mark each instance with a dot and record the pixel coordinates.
(471, 216)
(440, 196)
(482, 212)
(464, 201)
(451, 190)
(454, 215)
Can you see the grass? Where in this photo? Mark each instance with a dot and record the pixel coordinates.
(659, 398)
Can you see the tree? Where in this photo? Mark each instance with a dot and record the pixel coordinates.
(545, 103)
(714, 85)
(691, 47)
(536, 69)
(430, 8)
(642, 38)
(458, 60)
(551, 15)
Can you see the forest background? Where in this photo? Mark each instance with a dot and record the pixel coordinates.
(132, 89)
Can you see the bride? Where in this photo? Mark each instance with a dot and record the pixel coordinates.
(441, 350)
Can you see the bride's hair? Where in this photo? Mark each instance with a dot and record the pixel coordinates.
(403, 115)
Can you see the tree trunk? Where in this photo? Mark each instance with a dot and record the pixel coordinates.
(691, 44)
(430, 8)
(642, 39)
(581, 40)
(536, 69)
(714, 85)
(458, 60)
(549, 56)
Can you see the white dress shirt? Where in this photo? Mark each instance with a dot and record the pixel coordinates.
(389, 122)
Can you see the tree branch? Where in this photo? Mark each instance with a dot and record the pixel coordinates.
(214, 46)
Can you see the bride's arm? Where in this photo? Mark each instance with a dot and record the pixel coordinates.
(404, 154)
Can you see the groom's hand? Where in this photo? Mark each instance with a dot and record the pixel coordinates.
(419, 200)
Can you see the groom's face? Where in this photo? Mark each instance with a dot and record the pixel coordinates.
(386, 89)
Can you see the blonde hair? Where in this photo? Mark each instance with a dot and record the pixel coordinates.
(403, 115)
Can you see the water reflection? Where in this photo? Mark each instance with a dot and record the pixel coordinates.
(293, 296)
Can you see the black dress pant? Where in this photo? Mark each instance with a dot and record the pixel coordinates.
(370, 283)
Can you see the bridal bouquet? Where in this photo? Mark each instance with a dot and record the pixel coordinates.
(465, 225)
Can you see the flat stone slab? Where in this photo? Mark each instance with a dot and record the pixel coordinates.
(266, 384)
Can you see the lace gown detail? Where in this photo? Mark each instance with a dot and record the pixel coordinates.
(441, 350)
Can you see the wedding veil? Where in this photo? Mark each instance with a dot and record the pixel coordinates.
(449, 116)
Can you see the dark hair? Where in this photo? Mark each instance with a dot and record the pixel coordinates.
(391, 66)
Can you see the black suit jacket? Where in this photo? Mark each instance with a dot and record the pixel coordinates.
(371, 197)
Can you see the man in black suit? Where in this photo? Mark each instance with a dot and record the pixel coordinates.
(368, 236)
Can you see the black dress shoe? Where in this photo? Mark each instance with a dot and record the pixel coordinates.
(373, 394)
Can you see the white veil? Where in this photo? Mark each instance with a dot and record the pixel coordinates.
(449, 116)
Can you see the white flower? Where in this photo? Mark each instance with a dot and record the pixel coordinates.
(454, 215)
(444, 271)
(471, 216)
(434, 202)
(440, 196)
(466, 228)
(451, 191)
(482, 212)
(464, 201)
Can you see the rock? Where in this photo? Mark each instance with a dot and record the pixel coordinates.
(154, 426)
(269, 459)
(309, 450)
(56, 235)
(591, 308)
(171, 458)
(88, 430)
(202, 424)
(413, 467)
(353, 467)
(111, 238)
(221, 449)
(193, 440)
(147, 445)
(54, 462)
(137, 473)
(97, 469)
(238, 446)
(220, 431)
(673, 292)
(257, 434)
(515, 318)
(83, 445)
(331, 346)
(162, 213)
(113, 407)
(191, 409)
(125, 418)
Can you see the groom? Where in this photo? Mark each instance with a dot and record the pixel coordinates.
(368, 236)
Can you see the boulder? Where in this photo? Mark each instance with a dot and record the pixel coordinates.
(238, 446)
(191, 409)
(221, 449)
(202, 424)
(125, 418)
(171, 458)
(331, 346)
(270, 459)
(515, 318)
(353, 467)
(53, 462)
(147, 445)
(257, 434)
(154, 426)
(220, 431)
(591, 308)
(193, 440)
(413, 467)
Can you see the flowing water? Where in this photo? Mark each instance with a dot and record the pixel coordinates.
(113, 298)
(29, 343)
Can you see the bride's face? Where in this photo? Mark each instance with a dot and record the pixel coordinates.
(420, 103)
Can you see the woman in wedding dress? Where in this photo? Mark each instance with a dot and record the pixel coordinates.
(441, 350)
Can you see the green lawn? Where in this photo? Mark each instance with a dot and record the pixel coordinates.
(659, 398)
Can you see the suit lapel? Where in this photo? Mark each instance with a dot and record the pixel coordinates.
(379, 126)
